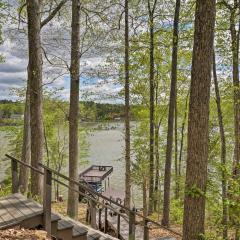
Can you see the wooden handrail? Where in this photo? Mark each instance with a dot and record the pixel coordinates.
(132, 213)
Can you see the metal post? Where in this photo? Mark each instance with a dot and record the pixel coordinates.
(105, 220)
(146, 230)
(47, 198)
(132, 220)
(93, 214)
(118, 226)
(15, 183)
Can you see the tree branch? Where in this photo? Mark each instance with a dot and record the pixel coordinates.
(53, 13)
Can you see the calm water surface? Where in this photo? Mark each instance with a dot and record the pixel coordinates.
(106, 147)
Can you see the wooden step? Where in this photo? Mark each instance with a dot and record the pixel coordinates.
(64, 230)
(54, 223)
(93, 236)
(79, 233)
(16, 209)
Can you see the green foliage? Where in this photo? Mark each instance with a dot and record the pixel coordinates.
(176, 211)
(194, 192)
(6, 187)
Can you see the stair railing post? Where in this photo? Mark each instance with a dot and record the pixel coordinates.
(93, 214)
(15, 183)
(146, 230)
(132, 221)
(105, 220)
(118, 226)
(47, 198)
(100, 218)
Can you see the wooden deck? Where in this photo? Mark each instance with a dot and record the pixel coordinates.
(16, 208)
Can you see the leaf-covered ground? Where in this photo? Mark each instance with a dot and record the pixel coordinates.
(23, 234)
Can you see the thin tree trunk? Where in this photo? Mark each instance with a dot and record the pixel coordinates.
(72, 208)
(235, 72)
(198, 120)
(127, 115)
(152, 109)
(145, 210)
(223, 152)
(35, 83)
(46, 145)
(172, 101)
(157, 167)
(26, 147)
(236, 102)
(182, 137)
(177, 187)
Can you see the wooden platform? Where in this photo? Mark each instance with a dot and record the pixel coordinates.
(96, 173)
(16, 208)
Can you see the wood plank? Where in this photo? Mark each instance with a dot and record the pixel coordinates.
(18, 205)
(7, 217)
(16, 208)
(31, 205)
(12, 209)
(23, 203)
(4, 215)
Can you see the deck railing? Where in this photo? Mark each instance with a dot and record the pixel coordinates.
(92, 196)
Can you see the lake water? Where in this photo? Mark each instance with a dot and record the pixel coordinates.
(106, 147)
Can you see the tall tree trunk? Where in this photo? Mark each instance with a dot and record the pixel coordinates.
(26, 147)
(35, 82)
(127, 115)
(172, 101)
(198, 132)
(157, 167)
(223, 152)
(72, 208)
(177, 179)
(145, 210)
(152, 109)
(182, 138)
(235, 73)
(236, 100)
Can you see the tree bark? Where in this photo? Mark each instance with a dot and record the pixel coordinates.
(151, 117)
(26, 146)
(144, 185)
(35, 83)
(177, 177)
(235, 73)
(72, 208)
(182, 137)
(198, 132)
(172, 102)
(223, 152)
(127, 115)
(157, 167)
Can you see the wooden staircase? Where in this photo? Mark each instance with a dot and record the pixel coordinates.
(17, 210)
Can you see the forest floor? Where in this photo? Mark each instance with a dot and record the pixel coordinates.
(23, 234)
